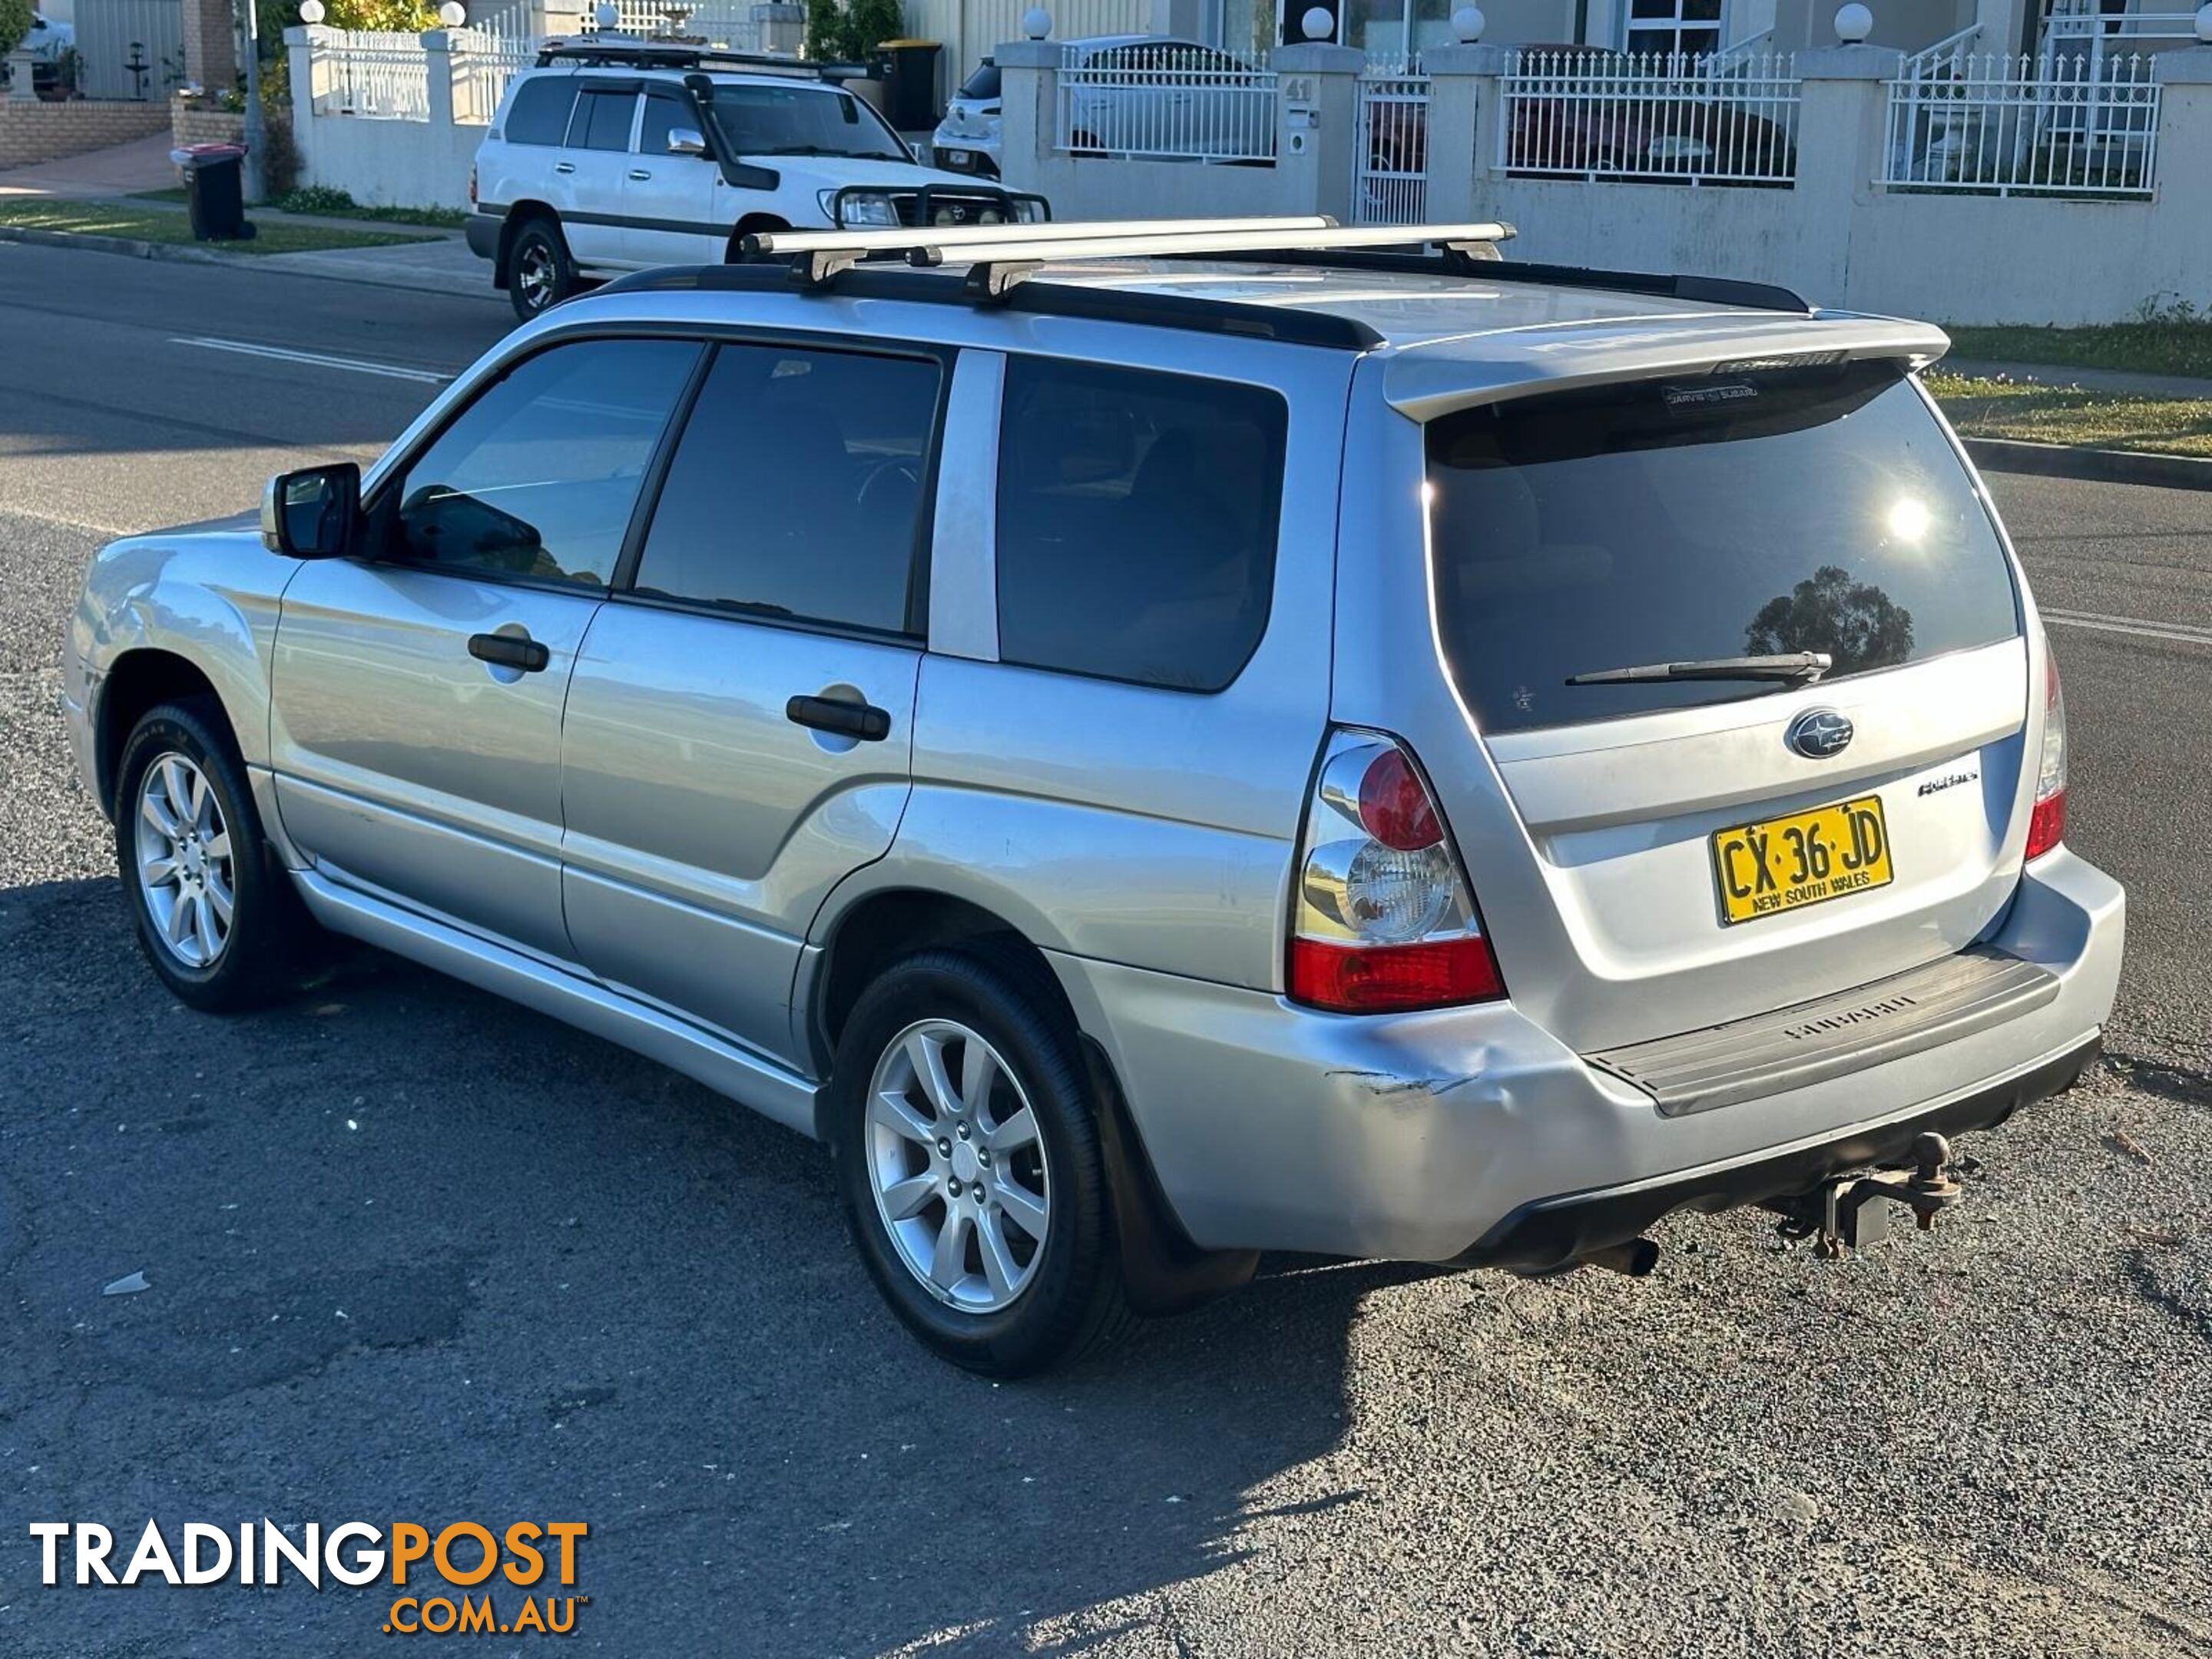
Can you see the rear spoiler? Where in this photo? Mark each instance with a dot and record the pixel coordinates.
(1424, 381)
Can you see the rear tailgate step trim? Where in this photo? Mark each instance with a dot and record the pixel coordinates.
(1833, 1036)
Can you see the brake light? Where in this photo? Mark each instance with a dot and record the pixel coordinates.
(1383, 920)
(2046, 825)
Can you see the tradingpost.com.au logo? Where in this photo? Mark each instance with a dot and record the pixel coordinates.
(353, 1553)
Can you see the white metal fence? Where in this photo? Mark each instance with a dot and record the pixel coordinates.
(1165, 103)
(1390, 178)
(112, 36)
(1596, 114)
(375, 72)
(1992, 124)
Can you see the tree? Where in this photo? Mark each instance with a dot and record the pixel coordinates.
(15, 24)
(404, 16)
(1855, 622)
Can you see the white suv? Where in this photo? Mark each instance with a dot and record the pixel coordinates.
(614, 156)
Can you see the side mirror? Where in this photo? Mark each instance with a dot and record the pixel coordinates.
(314, 513)
(686, 141)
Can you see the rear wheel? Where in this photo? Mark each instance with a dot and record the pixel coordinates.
(540, 273)
(969, 1162)
(216, 916)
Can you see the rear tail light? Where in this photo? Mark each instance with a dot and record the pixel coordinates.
(2046, 826)
(1383, 920)
(472, 184)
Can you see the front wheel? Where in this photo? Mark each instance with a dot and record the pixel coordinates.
(969, 1162)
(216, 916)
(540, 273)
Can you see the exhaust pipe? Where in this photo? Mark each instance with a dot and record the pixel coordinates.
(1636, 1257)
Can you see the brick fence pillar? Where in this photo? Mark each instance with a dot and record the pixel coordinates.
(211, 45)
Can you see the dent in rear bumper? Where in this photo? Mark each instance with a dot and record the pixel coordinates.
(1271, 1127)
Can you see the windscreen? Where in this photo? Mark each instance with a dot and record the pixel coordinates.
(1712, 516)
(775, 120)
(981, 87)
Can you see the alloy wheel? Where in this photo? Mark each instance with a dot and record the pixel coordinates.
(186, 877)
(958, 1166)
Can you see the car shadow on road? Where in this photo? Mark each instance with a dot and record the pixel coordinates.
(411, 1251)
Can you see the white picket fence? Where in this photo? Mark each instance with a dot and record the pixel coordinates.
(1165, 103)
(1691, 120)
(375, 72)
(2054, 125)
(1390, 181)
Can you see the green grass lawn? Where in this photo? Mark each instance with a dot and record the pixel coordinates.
(2169, 346)
(336, 204)
(2069, 415)
(146, 224)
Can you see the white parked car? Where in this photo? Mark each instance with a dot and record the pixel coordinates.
(1152, 94)
(612, 157)
(971, 137)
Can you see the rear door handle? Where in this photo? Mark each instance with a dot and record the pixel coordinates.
(863, 721)
(510, 651)
(639, 173)
(564, 167)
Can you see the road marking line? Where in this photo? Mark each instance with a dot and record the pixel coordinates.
(2186, 633)
(247, 349)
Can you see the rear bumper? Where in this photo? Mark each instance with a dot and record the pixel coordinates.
(482, 230)
(1473, 1135)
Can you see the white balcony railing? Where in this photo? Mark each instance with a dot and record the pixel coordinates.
(1996, 125)
(375, 72)
(1589, 113)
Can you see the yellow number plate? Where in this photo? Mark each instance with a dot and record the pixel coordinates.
(1785, 864)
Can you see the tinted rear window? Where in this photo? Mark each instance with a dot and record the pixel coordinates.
(1714, 516)
(540, 111)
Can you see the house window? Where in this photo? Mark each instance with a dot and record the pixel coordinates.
(1666, 28)
(1391, 28)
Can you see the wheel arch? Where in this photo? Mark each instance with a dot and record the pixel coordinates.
(521, 214)
(1164, 1272)
(138, 681)
(752, 223)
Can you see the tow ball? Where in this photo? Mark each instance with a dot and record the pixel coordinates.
(1855, 1209)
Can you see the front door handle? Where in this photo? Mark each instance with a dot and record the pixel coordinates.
(564, 167)
(863, 721)
(510, 651)
(640, 173)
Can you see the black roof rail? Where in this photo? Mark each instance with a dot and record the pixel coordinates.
(1711, 290)
(1290, 324)
(588, 51)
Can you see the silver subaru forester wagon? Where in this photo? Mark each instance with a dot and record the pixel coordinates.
(1166, 759)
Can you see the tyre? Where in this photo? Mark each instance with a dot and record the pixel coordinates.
(539, 272)
(967, 1154)
(216, 915)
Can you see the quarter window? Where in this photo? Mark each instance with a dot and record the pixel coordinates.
(537, 478)
(1137, 522)
(540, 114)
(797, 489)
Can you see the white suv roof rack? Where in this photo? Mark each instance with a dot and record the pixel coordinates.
(629, 51)
(1000, 256)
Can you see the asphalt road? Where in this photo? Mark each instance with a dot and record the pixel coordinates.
(413, 1253)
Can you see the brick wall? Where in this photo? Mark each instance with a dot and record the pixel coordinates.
(193, 122)
(39, 132)
(210, 47)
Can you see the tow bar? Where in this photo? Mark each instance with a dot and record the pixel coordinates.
(1852, 1211)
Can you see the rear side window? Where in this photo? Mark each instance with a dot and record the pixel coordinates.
(1137, 522)
(797, 489)
(1723, 515)
(540, 114)
(602, 121)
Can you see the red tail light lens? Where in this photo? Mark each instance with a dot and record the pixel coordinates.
(2046, 826)
(1382, 919)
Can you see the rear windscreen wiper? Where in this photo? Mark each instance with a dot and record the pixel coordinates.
(1801, 666)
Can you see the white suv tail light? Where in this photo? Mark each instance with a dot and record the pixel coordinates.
(2047, 827)
(1383, 920)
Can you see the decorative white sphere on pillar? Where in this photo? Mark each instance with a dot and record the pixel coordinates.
(1467, 24)
(607, 14)
(453, 14)
(1854, 23)
(1318, 22)
(2204, 24)
(311, 12)
(1036, 22)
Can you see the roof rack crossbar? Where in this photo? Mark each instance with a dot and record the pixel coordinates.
(596, 52)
